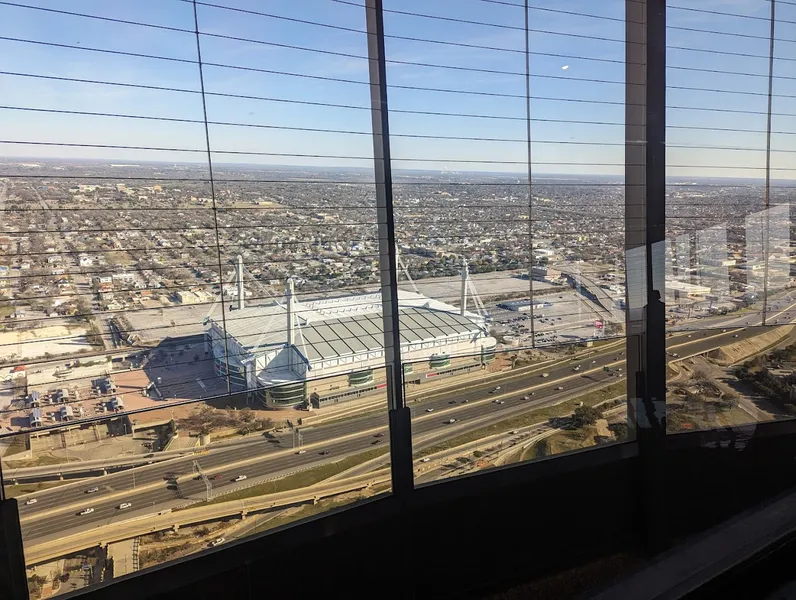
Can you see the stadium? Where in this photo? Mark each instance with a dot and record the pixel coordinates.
(332, 349)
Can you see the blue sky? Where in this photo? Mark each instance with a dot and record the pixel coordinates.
(565, 107)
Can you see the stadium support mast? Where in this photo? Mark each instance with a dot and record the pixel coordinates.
(465, 276)
(239, 273)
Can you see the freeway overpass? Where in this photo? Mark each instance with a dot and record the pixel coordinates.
(163, 483)
(592, 288)
(44, 550)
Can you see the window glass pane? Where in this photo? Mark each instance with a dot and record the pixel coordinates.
(177, 337)
(533, 275)
(727, 257)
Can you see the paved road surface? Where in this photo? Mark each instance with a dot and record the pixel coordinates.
(275, 457)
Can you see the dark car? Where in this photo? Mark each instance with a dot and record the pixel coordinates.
(380, 434)
(324, 453)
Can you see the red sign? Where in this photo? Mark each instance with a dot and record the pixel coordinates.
(598, 324)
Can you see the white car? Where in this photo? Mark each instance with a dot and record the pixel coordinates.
(545, 374)
(560, 387)
(526, 397)
(32, 501)
(450, 421)
(124, 505)
(301, 452)
(217, 541)
(240, 478)
(91, 490)
(429, 410)
(86, 511)
(425, 459)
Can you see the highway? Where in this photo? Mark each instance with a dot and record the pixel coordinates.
(151, 485)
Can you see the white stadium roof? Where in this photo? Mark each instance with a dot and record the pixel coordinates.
(332, 327)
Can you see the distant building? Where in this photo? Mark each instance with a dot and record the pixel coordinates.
(188, 297)
(524, 305)
(116, 403)
(36, 419)
(126, 277)
(34, 399)
(682, 288)
(67, 413)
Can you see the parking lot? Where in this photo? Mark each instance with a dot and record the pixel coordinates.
(565, 317)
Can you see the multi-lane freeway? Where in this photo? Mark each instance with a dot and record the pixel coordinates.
(148, 487)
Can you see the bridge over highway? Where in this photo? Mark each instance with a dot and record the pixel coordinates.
(591, 287)
(42, 550)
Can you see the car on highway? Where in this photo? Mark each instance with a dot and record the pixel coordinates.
(86, 511)
(495, 389)
(217, 542)
(301, 452)
(124, 505)
(425, 459)
(560, 387)
(240, 478)
(526, 397)
(465, 401)
(735, 336)
(450, 421)
(216, 476)
(374, 442)
(576, 368)
(451, 401)
(545, 374)
(30, 501)
(91, 490)
(380, 434)
(429, 410)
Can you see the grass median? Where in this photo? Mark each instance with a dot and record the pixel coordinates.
(528, 418)
(301, 479)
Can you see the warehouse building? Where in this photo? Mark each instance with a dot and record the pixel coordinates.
(333, 348)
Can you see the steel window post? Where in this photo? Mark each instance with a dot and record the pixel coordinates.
(399, 414)
(645, 240)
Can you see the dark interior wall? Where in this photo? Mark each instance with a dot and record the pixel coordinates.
(716, 474)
